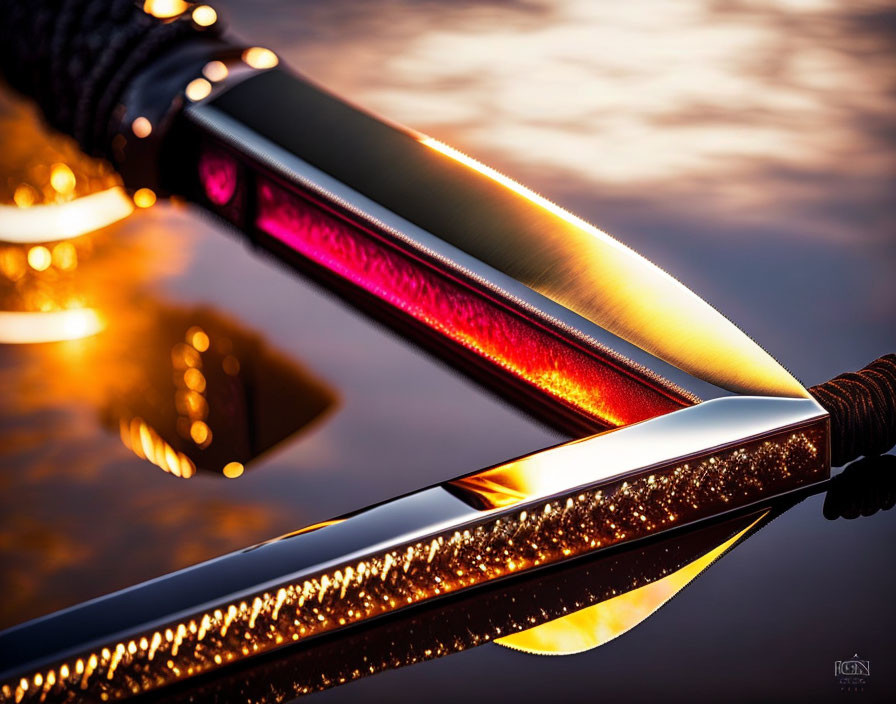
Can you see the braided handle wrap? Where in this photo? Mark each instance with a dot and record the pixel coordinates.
(76, 58)
(862, 406)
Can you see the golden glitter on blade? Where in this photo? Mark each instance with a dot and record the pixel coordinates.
(586, 270)
(730, 453)
(598, 624)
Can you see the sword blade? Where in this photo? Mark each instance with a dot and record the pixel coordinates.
(552, 506)
(476, 222)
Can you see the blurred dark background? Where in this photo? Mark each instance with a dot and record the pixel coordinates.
(746, 147)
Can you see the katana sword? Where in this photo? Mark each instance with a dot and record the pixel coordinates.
(534, 614)
(551, 310)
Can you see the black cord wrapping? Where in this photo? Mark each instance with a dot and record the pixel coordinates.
(862, 406)
(76, 57)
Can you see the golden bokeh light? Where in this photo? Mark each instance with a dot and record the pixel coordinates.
(259, 57)
(200, 432)
(25, 196)
(191, 404)
(194, 380)
(215, 71)
(183, 356)
(164, 9)
(144, 198)
(65, 256)
(39, 258)
(232, 470)
(13, 263)
(147, 444)
(141, 127)
(204, 16)
(198, 88)
(197, 337)
(62, 179)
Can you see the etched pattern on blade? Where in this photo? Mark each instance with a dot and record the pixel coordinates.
(503, 544)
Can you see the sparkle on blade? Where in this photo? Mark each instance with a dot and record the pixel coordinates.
(506, 543)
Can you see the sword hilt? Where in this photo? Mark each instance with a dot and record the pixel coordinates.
(862, 406)
(80, 59)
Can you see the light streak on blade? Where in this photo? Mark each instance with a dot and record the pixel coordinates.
(598, 277)
(596, 625)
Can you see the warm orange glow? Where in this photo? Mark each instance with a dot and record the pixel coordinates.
(141, 127)
(232, 470)
(194, 379)
(590, 384)
(163, 9)
(598, 624)
(198, 88)
(183, 356)
(191, 404)
(147, 444)
(204, 16)
(17, 327)
(62, 179)
(13, 263)
(215, 71)
(197, 337)
(144, 198)
(259, 57)
(631, 297)
(25, 196)
(56, 221)
(65, 256)
(39, 258)
(200, 432)
(507, 182)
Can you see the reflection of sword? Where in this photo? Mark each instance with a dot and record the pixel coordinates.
(547, 307)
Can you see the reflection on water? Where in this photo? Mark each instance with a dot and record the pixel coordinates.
(48, 214)
(181, 387)
(194, 390)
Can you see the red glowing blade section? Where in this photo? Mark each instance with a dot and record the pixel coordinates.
(592, 385)
(218, 173)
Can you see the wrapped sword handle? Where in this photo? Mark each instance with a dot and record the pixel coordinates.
(862, 406)
(81, 61)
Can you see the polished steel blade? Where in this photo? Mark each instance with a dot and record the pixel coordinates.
(481, 224)
(543, 509)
